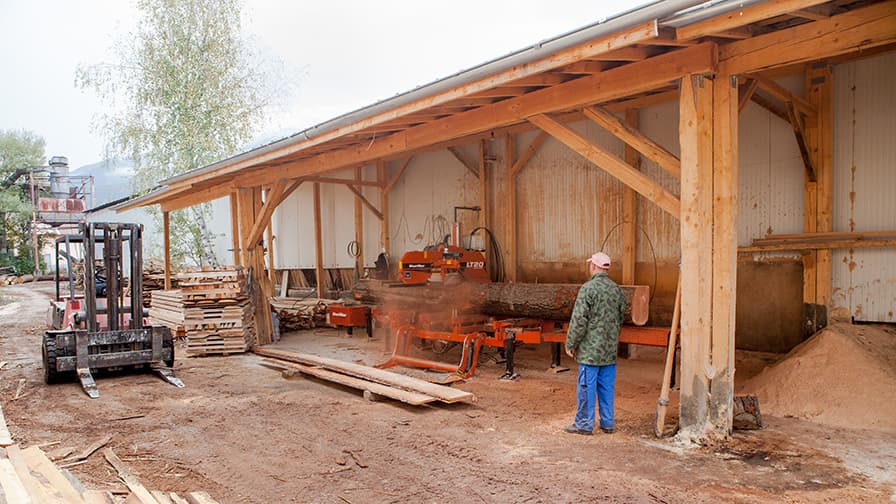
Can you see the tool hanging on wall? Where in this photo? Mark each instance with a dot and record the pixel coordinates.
(663, 402)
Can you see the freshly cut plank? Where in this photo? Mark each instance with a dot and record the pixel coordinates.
(13, 488)
(98, 497)
(36, 489)
(132, 482)
(39, 463)
(162, 497)
(200, 498)
(444, 394)
(405, 396)
(5, 436)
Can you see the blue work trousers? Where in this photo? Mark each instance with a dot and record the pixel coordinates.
(595, 382)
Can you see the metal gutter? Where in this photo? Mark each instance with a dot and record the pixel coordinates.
(657, 10)
(705, 11)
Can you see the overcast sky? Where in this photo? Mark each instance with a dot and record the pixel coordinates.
(340, 55)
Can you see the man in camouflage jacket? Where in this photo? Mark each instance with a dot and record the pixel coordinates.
(593, 340)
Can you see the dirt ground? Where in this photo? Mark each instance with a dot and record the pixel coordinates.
(247, 435)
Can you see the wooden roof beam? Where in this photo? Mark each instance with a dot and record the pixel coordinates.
(267, 210)
(856, 30)
(741, 17)
(783, 94)
(610, 163)
(367, 203)
(800, 133)
(469, 165)
(539, 80)
(626, 80)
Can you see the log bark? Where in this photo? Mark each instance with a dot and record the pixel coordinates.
(511, 300)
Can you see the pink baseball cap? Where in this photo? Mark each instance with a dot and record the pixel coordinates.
(600, 260)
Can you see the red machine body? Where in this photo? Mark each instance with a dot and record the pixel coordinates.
(422, 266)
(351, 316)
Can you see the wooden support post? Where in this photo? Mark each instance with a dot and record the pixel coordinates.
(359, 228)
(381, 176)
(725, 111)
(245, 209)
(708, 135)
(630, 209)
(318, 244)
(166, 230)
(235, 227)
(483, 202)
(509, 156)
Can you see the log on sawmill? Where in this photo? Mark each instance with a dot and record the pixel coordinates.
(543, 301)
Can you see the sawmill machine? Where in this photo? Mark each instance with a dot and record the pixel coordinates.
(105, 327)
(444, 262)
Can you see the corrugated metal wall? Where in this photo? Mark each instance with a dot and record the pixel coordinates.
(865, 184)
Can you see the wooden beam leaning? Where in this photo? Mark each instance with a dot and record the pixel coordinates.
(770, 105)
(855, 30)
(611, 164)
(469, 165)
(783, 94)
(627, 80)
(746, 93)
(741, 17)
(634, 138)
(261, 222)
(530, 151)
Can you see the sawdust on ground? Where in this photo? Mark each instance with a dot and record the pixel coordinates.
(844, 376)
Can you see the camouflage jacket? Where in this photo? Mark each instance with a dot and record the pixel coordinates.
(596, 318)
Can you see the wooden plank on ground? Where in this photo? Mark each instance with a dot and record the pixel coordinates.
(87, 452)
(177, 499)
(12, 486)
(98, 497)
(5, 436)
(39, 463)
(200, 498)
(129, 479)
(35, 489)
(405, 396)
(162, 497)
(444, 394)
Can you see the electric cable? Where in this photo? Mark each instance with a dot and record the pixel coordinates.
(652, 252)
(499, 273)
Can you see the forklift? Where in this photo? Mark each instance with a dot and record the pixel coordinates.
(105, 328)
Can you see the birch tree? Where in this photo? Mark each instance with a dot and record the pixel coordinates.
(186, 90)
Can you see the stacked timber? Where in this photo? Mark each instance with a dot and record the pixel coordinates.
(512, 300)
(374, 383)
(154, 279)
(167, 309)
(218, 314)
(297, 314)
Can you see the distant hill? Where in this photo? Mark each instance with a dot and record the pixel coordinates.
(111, 179)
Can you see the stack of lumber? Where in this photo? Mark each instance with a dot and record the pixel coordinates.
(297, 314)
(375, 383)
(29, 476)
(218, 315)
(167, 309)
(154, 278)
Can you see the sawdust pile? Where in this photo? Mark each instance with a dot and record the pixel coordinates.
(844, 376)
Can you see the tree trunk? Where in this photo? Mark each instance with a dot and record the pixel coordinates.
(512, 300)
(208, 247)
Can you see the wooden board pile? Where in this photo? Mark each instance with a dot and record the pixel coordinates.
(29, 476)
(375, 383)
(154, 279)
(167, 309)
(218, 315)
(297, 314)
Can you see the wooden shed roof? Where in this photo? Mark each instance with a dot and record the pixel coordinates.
(625, 62)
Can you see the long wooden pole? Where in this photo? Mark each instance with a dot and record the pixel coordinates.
(663, 402)
(166, 232)
(318, 243)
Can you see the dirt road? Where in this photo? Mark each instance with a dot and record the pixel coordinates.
(246, 435)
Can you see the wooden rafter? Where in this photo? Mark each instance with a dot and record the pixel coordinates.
(742, 17)
(637, 140)
(540, 80)
(401, 168)
(770, 105)
(332, 180)
(627, 80)
(610, 163)
(782, 93)
(856, 30)
(584, 67)
(459, 155)
(627, 54)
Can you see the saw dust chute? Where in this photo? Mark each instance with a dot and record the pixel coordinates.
(843, 376)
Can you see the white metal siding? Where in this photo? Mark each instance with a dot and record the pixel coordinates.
(864, 280)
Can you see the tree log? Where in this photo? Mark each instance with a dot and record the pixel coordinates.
(542, 301)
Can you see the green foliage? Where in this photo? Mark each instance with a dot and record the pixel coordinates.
(186, 92)
(18, 149)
